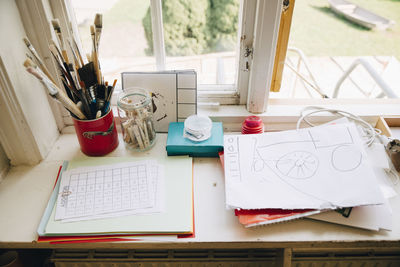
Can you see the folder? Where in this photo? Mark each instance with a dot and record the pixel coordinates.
(178, 218)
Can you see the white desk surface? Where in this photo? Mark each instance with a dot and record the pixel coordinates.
(26, 189)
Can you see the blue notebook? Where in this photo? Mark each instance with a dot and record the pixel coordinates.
(178, 145)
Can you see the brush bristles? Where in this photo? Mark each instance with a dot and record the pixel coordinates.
(56, 25)
(54, 51)
(29, 63)
(92, 31)
(98, 20)
(34, 73)
(26, 41)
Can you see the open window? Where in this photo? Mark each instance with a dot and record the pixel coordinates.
(338, 49)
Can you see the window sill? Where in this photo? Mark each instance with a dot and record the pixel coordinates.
(282, 114)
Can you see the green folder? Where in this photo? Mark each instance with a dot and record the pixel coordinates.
(177, 218)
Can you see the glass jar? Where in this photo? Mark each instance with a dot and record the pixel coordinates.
(135, 110)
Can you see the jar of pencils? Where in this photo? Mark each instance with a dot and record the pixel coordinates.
(135, 110)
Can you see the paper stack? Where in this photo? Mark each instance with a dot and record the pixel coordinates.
(120, 198)
(273, 177)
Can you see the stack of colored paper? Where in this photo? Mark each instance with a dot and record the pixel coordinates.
(100, 199)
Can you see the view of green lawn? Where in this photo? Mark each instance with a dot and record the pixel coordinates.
(319, 32)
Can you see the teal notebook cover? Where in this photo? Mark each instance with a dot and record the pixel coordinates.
(178, 145)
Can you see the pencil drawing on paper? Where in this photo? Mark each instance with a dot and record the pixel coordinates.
(303, 164)
(298, 168)
(342, 163)
(297, 165)
(158, 100)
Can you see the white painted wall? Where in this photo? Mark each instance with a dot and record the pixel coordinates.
(29, 92)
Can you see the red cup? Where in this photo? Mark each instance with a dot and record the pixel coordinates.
(97, 137)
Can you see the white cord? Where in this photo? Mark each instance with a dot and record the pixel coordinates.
(370, 132)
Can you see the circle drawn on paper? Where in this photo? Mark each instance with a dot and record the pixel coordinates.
(298, 165)
(258, 165)
(346, 158)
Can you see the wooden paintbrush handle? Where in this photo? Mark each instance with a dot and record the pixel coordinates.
(65, 56)
(68, 104)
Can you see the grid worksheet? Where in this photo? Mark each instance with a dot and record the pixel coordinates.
(91, 191)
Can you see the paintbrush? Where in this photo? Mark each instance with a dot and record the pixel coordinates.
(72, 94)
(53, 90)
(94, 54)
(78, 51)
(65, 70)
(111, 91)
(58, 52)
(38, 60)
(76, 61)
(109, 95)
(87, 74)
(89, 57)
(98, 23)
(57, 55)
(57, 30)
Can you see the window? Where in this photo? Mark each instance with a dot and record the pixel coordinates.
(163, 35)
(324, 44)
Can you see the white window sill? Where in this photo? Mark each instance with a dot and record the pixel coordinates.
(282, 114)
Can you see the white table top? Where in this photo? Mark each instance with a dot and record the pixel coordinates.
(26, 189)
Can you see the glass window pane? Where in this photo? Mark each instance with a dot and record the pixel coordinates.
(202, 35)
(331, 43)
(123, 45)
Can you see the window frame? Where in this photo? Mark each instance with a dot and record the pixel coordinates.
(249, 11)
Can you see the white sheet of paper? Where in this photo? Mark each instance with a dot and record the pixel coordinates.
(108, 190)
(379, 161)
(158, 185)
(373, 217)
(320, 168)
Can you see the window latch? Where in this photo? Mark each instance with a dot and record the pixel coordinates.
(248, 53)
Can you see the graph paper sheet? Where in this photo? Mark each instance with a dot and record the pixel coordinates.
(93, 192)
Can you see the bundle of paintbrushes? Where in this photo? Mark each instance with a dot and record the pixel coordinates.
(86, 95)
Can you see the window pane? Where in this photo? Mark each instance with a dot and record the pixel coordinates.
(202, 35)
(123, 45)
(331, 44)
